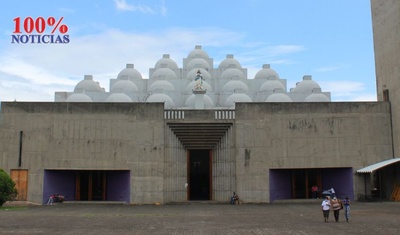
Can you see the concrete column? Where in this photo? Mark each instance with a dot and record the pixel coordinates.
(199, 98)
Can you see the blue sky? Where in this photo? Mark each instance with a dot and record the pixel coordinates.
(330, 40)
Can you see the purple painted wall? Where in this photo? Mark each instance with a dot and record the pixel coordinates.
(341, 179)
(118, 186)
(60, 181)
(280, 184)
(63, 182)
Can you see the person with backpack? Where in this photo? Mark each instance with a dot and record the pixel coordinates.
(336, 207)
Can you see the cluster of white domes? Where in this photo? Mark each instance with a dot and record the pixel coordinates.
(223, 86)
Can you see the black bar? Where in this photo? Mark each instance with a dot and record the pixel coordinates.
(20, 149)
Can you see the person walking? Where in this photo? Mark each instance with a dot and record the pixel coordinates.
(326, 206)
(314, 191)
(346, 204)
(336, 208)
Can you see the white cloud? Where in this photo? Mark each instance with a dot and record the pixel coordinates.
(347, 91)
(36, 74)
(272, 54)
(274, 50)
(29, 72)
(123, 5)
(342, 86)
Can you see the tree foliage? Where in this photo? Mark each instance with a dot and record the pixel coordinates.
(7, 188)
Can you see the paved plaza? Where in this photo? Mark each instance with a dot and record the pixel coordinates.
(198, 218)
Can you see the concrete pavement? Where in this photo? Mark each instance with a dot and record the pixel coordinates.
(198, 218)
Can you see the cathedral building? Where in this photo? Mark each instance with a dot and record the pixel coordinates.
(222, 86)
(202, 132)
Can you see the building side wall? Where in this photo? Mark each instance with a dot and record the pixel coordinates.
(89, 136)
(307, 135)
(386, 31)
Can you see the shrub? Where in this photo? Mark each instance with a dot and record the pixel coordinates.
(7, 188)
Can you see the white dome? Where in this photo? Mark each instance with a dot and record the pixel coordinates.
(161, 85)
(204, 73)
(164, 74)
(305, 86)
(79, 97)
(267, 73)
(233, 85)
(198, 53)
(118, 97)
(232, 74)
(124, 86)
(198, 63)
(166, 62)
(158, 97)
(88, 85)
(278, 97)
(130, 72)
(317, 97)
(229, 62)
(192, 84)
(190, 102)
(236, 98)
(271, 85)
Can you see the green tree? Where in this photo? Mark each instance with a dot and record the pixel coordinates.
(7, 188)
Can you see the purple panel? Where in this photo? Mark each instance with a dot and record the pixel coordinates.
(118, 186)
(280, 184)
(56, 181)
(341, 179)
(63, 182)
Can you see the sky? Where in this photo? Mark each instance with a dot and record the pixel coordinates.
(331, 40)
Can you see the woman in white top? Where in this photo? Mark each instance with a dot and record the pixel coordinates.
(326, 206)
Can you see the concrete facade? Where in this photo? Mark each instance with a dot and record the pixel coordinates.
(78, 136)
(260, 150)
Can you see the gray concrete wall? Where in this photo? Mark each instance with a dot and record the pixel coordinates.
(307, 135)
(386, 29)
(86, 136)
(135, 137)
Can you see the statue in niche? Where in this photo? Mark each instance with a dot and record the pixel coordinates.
(199, 81)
